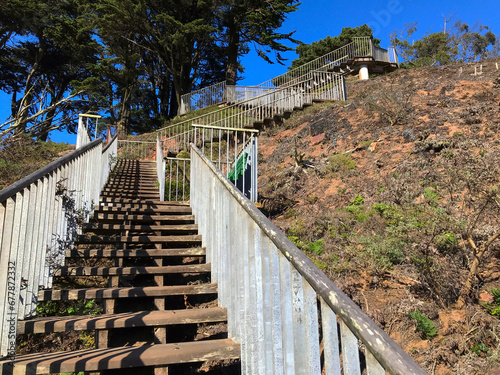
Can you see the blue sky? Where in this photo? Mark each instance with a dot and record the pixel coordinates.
(316, 19)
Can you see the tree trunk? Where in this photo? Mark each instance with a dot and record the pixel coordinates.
(173, 107)
(124, 121)
(164, 93)
(232, 53)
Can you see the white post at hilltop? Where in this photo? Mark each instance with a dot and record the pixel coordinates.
(363, 72)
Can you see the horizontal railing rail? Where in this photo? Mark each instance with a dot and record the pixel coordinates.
(281, 308)
(236, 94)
(39, 219)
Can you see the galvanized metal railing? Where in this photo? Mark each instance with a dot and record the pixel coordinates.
(160, 168)
(205, 97)
(362, 46)
(359, 47)
(306, 89)
(227, 124)
(177, 179)
(136, 150)
(233, 150)
(235, 94)
(39, 218)
(282, 309)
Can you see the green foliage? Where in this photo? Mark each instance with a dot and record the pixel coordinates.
(340, 163)
(184, 154)
(312, 199)
(322, 265)
(88, 340)
(494, 307)
(78, 307)
(41, 57)
(460, 43)
(431, 195)
(358, 200)
(446, 241)
(341, 191)
(353, 209)
(316, 247)
(362, 217)
(480, 348)
(365, 144)
(25, 156)
(381, 254)
(424, 324)
(176, 190)
(390, 213)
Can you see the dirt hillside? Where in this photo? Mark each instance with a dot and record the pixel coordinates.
(394, 195)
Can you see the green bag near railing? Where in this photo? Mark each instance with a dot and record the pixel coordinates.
(239, 167)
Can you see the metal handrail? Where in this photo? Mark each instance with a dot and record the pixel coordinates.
(205, 97)
(39, 219)
(301, 90)
(136, 150)
(160, 168)
(270, 289)
(360, 46)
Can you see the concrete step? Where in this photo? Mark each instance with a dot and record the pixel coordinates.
(107, 293)
(192, 240)
(123, 357)
(122, 320)
(98, 253)
(117, 271)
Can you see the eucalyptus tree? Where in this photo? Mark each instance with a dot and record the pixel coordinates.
(40, 63)
(173, 37)
(461, 43)
(254, 23)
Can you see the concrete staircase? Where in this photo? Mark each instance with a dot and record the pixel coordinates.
(159, 306)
